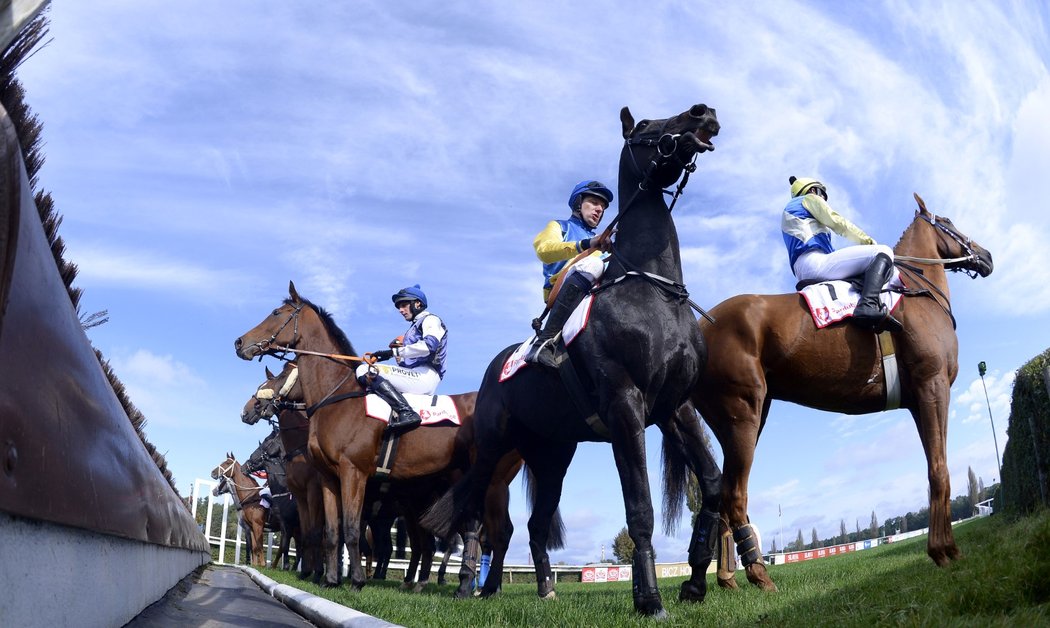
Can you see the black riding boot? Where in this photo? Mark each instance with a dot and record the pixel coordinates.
(870, 313)
(405, 418)
(573, 290)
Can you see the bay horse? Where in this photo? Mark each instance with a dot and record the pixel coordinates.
(766, 347)
(245, 492)
(280, 396)
(344, 443)
(639, 357)
(269, 457)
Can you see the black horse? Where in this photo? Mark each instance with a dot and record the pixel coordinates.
(269, 456)
(638, 357)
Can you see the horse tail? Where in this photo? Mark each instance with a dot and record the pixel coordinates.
(556, 534)
(449, 511)
(676, 481)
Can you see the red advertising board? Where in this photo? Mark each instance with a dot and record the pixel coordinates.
(794, 557)
(612, 573)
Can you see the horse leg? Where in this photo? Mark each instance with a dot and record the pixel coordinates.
(331, 539)
(426, 559)
(686, 434)
(931, 419)
(352, 493)
(551, 462)
(736, 417)
(498, 532)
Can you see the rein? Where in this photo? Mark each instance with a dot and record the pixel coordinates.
(918, 274)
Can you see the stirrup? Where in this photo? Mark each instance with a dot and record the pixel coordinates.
(404, 425)
(543, 353)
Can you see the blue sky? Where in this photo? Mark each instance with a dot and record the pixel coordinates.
(204, 153)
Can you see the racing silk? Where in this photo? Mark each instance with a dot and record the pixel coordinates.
(425, 343)
(807, 224)
(558, 243)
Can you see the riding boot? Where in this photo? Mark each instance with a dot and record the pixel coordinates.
(870, 312)
(405, 418)
(573, 290)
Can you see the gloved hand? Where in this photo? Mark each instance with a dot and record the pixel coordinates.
(383, 354)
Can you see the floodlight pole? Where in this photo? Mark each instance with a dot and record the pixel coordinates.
(982, 368)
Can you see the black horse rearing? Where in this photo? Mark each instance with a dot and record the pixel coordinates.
(639, 356)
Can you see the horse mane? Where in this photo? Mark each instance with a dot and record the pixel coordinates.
(329, 324)
(30, 137)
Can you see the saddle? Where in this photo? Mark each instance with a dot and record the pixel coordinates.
(833, 301)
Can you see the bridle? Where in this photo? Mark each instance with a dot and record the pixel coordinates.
(666, 145)
(293, 319)
(955, 264)
(275, 402)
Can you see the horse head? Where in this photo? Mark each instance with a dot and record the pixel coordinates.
(962, 253)
(660, 149)
(276, 393)
(276, 332)
(225, 469)
(221, 487)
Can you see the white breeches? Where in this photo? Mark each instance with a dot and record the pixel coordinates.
(420, 380)
(590, 267)
(844, 263)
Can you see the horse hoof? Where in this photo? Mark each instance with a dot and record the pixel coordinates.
(462, 595)
(692, 592)
(418, 588)
(550, 595)
(728, 583)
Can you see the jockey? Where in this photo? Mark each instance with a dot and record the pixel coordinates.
(559, 242)
(420, 356)
(807, 224)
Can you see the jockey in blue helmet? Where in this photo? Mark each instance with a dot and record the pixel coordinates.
(559, 242)
(420, 356)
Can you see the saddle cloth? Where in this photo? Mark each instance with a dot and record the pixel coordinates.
(832, 301)
(433, 409)
(573, 326)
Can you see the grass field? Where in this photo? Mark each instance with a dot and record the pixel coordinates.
(1003, 579)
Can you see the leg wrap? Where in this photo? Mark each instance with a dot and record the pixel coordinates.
(747, 545)
(644, 574)
(544, 583)
(726, 555)
(705, 532)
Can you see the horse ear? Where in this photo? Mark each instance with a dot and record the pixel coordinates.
(269, 375)
(628, 122)
(922, 205)
(292, 293)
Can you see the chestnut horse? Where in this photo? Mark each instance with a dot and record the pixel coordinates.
(639, 357)
(766, 347)
(345, 443)
(245, 492)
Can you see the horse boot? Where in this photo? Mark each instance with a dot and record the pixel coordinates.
(405, 418)
(870, 312)
(573, 290)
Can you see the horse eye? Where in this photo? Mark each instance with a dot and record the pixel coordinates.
(277, 311)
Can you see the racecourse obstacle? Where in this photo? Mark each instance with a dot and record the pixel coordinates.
(91, 530)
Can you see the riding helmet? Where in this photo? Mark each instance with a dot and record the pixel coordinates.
(803, 185)
(411, 293)
(594, 188)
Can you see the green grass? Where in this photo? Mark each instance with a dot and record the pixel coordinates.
(1003, 579)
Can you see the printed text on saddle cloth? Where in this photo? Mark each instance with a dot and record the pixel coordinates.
(433, 409)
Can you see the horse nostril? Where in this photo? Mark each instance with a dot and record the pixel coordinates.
(237, 344)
